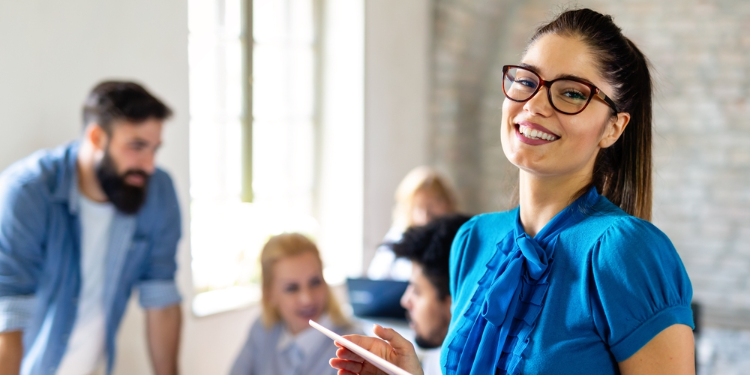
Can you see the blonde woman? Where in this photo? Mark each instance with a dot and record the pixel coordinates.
(294, 291)
(423, 195)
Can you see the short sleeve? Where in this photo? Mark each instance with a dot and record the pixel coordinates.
(639, 286)
(157, 287)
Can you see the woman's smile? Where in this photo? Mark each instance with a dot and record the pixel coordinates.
(534, 134)
(308, 313)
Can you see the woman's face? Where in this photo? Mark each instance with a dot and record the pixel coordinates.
(298, 290)
(427, 206)
(577, 138)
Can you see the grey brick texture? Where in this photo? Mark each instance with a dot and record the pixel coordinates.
(700, 52)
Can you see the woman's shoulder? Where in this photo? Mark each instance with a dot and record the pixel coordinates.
(495, 218)
(469, 253)
(480, 232)
(614, 240)
(633, 240)
(260, 333)
(260, 343)
(491, 224)
(630, 233)
(606, 225)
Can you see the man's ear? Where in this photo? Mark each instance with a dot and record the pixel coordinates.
(97, 136)
(614, 129)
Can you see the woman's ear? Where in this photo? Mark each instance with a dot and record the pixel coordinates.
(614, 130)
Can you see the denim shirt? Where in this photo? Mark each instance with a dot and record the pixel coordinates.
(40, 274)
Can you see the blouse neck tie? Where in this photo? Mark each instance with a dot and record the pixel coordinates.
(509, 297)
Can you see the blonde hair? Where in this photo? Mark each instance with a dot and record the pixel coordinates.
(284, 246)
(421, 179)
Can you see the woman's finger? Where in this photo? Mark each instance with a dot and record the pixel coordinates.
(365, 342)
(348, 355)
(350, 366)
(398, 342)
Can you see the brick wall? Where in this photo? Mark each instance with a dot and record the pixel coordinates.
(700, 51)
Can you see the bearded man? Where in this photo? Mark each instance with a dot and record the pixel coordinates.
(427, 300)
(81, 226)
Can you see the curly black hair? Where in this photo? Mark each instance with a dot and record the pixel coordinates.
(430, 246)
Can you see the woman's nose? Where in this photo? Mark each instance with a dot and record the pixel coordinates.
(305, 297)
(539, 104)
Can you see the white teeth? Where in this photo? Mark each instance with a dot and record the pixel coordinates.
(535, 134)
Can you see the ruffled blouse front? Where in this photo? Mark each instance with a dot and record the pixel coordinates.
(509, 297)
(589, 290)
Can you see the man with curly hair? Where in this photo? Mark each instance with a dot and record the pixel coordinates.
(427, 300)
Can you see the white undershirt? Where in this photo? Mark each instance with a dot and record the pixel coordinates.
(85, 351)
(431, 362)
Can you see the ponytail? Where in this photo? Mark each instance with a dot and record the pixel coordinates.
(622, 172)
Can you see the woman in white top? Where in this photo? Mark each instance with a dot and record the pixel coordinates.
(281, 342)
(422, 195)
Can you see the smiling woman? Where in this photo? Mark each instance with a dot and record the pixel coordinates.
(294, 292)
(575, 280)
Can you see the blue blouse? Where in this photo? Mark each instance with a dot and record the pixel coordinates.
(588, 291)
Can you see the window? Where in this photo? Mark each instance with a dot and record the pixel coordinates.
(279, 169)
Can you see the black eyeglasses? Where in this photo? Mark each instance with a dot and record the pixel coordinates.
(567, 95)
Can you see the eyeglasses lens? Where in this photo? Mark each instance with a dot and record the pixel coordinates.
(566, 95)
(520, 84)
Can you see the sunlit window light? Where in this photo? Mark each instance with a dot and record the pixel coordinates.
(227, 234)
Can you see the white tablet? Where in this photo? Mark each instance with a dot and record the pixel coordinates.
(378, 362)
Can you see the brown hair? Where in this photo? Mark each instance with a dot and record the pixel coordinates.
(284, 246)
(622, 172)
(420, 179)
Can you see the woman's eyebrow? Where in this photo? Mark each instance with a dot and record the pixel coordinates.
(574, 77)
(559, 76)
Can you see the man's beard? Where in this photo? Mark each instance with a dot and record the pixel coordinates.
(125, 197)
(425, 343)
(422, 341)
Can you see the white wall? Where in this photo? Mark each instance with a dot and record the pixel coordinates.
(341, 133)
(397, 47)
(53, 52)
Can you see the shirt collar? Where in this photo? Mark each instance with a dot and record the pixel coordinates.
(66, 188)
(306, 341)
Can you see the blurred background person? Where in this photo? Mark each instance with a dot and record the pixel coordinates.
(294, 291)
(427, 300)
(81, 225)
(423, 195)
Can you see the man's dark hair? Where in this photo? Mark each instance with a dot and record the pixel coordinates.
(121, 100)
(430, 247)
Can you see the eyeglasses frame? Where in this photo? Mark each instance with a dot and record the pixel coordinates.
(548, 84)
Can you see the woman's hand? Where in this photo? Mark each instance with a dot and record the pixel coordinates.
(393, 348)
